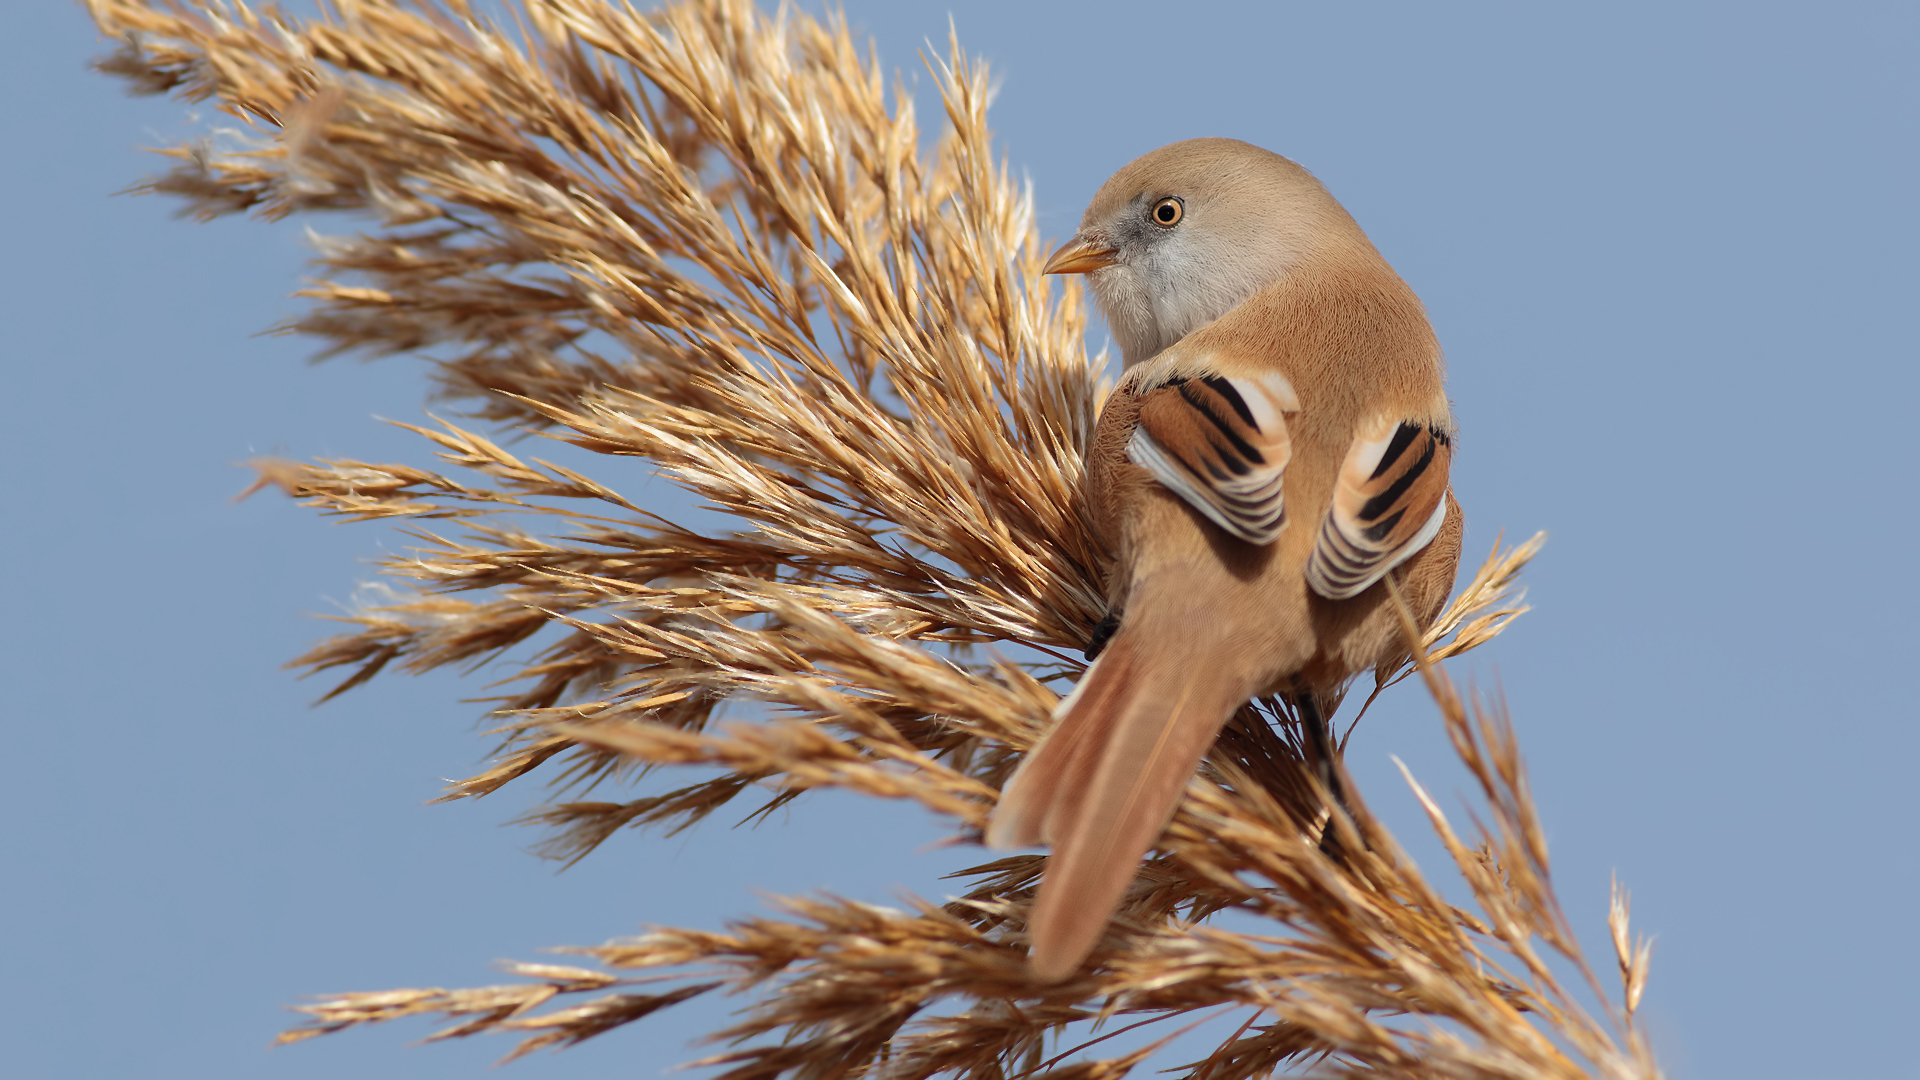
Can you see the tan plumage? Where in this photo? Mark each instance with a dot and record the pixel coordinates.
(1279, 442)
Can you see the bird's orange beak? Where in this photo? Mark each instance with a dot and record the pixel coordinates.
(1080, 256)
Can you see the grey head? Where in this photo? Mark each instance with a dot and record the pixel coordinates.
(1183, 234)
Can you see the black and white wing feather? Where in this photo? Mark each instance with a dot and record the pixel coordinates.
(1221, 444)
(1389, 502)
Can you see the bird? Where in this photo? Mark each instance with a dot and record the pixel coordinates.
(1279, 443)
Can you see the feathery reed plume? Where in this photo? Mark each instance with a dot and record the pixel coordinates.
(711, 238)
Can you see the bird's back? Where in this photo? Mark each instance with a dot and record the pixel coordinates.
(1355, 344)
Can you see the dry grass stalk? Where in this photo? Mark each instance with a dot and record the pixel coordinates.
(712, 239)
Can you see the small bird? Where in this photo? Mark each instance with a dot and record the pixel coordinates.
(1279, 442)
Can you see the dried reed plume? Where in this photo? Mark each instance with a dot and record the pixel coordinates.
(712, 238)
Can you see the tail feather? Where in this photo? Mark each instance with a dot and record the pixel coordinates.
(1103, 784)
(1041, 791)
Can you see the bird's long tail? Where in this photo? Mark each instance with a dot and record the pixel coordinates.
(1103, 783)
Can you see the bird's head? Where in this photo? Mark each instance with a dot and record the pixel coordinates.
(1183, 234)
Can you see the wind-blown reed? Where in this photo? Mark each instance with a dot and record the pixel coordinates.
(712, 238)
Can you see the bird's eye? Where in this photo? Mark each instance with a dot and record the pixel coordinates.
(1167, 212)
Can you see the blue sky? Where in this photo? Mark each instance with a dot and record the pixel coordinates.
(1668, 247)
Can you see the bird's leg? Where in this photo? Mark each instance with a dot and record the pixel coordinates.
(1320, 747)
(1102, 633)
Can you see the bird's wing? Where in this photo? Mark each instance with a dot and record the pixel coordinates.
(1220, 443)
(1389, 502)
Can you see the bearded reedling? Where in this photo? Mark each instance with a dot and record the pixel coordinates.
(1278, 444)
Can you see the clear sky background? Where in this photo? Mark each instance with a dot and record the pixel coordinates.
(1670, 249)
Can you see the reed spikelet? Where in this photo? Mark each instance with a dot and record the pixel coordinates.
(712, 238)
